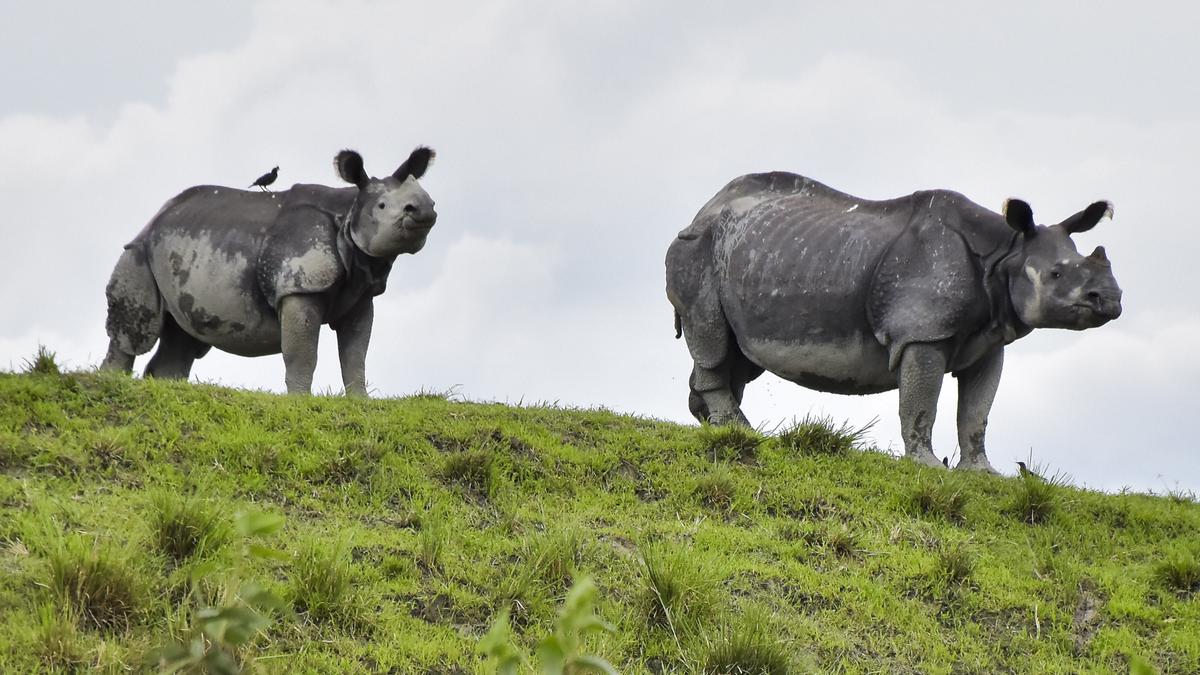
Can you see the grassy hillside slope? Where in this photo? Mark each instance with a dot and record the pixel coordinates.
(411, 522)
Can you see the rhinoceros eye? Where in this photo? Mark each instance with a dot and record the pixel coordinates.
(381, 205)
(1055, 274)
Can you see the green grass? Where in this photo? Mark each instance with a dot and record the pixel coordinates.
(412, 523)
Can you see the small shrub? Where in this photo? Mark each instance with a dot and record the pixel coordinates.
(1179, 571)
(677, 588)
(471, 468)
(730, 442)
(816, 435)
(222, 633)
(95, 583)
(717, 489)
(42, 363)
(748, 647)
(562, 650)
(939, 500)
(320, 585)
(184, 526)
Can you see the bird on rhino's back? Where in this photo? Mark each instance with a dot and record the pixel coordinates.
(255, 273)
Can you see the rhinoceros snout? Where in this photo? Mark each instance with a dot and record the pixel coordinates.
(1106, 305)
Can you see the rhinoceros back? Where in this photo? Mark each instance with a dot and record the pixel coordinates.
(202, 249)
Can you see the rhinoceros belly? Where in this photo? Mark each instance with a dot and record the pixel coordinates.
(849, 366)
(795, 286)
(207, 281)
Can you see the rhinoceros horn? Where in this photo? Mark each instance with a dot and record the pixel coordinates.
(1099, 256)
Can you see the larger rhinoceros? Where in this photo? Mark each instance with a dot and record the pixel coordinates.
(255, 273)
(851, 296)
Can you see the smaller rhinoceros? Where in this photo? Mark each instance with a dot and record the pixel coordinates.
(779, 272)
(256, 273)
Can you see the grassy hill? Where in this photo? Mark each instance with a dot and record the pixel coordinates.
(410, 523)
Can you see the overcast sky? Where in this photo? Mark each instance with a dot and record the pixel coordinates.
(574, 140)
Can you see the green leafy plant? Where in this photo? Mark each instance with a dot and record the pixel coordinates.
(561, 652)
(222, 633)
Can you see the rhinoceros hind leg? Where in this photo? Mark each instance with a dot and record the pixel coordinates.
(175, 354)
(922, 367)
(135, 313)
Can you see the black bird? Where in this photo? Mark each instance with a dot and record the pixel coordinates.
(1025, 472)
(266, 179)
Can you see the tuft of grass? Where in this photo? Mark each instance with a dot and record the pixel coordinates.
(97, 585)
(556, 556)
(942, 499)
(432, 541)
(1179, 571)
(836, 538)
(955, 565)
(185, 526)
(677, 589)
(320, 586)
(731, 442)
(472, 469)
(815, 435)
(748, 646)
(1036, 498)
(42, 363)
(717, 489)
(59, 646)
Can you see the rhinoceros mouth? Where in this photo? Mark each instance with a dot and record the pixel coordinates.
(424, 225)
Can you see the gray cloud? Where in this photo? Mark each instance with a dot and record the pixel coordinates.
(575, 142)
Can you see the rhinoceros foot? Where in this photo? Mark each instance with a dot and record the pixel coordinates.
(977, 464)
(926, 458)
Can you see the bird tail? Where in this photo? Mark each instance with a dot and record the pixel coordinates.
(678, 325)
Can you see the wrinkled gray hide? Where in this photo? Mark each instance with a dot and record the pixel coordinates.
(255, 273)
(781, 273)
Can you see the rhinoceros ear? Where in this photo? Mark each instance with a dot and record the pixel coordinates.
(349, 166)
(1019, 216)
(1087, 218)
(416, 164)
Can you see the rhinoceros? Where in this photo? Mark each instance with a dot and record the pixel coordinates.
(779, 272)
(256, 273)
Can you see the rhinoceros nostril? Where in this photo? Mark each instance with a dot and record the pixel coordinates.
(1093, 296)
(410, 208)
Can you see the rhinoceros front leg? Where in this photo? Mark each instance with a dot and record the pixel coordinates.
(922, 367)
(300, 325)
(976, 390)
(354, 334)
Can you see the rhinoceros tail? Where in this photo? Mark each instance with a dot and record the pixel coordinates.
(678, 325)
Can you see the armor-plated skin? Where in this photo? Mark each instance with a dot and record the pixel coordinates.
(779, 272)
(255, 273)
